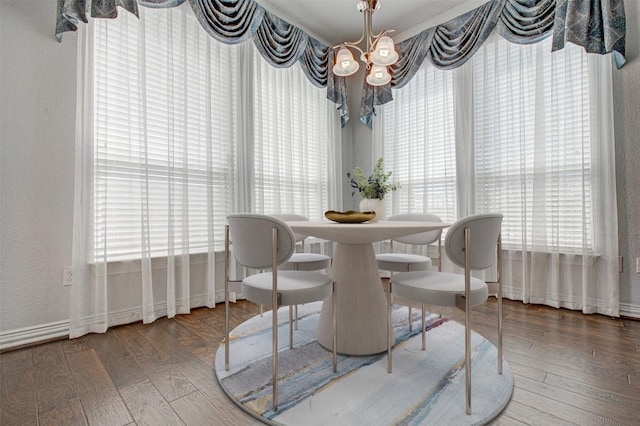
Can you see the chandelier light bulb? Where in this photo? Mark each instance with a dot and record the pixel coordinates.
(379, 76)
(345, 64)
(385, 52)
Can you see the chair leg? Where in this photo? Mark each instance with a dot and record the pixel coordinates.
(334, 304)
(274, 318)
(499, 328)
(226, 328)
(226, 334)
(295, 268)
(389, 302)
(274, 356)
(290, 327)
(226, 297)
(261, 309)
(424, 334)
(467, 320)
(410, 316)
(467, 361)
(499, 296)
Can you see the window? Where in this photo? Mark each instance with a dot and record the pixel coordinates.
(291, 142)
(167, 148)
(531, 143)
(420, 147)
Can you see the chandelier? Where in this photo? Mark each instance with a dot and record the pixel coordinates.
(378, 54)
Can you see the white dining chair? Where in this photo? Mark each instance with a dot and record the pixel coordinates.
(261, 242)
(406, 262)
(301, 260)
(472, 243)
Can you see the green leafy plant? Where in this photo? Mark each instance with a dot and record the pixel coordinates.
(375, 186)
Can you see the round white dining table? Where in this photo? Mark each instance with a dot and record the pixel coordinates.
(361, 302)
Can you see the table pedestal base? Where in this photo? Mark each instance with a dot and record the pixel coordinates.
(361, 303)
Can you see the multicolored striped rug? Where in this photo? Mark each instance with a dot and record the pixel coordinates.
(426, 387)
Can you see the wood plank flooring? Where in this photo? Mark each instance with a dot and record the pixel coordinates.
(568, 369)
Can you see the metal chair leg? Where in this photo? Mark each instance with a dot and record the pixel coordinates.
(274, 356)
(410, 317)
(467, 320)
(499, 296)
(226, 297)
(499, 329)
(334, 303)
(389, 302)
(274, 319)
(295, 268)
(424, 333)
(290, 327)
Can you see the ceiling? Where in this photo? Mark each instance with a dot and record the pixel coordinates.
(335, 21)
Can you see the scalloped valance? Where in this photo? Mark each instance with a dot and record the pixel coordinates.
(597, 25)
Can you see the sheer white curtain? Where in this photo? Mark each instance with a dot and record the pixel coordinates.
(165, 141)
(533, 139)
(294, 149)
(544, 156)
(418, 145)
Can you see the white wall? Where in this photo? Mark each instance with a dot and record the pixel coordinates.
(37, 121)
(627, 126)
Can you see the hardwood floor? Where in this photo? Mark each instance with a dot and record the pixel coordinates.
(568, 368)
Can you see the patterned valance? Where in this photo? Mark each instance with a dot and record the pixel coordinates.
(597, 25)
(228, 22)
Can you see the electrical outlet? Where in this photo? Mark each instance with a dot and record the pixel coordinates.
(67, 276)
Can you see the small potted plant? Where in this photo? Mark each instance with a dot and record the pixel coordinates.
(372, 189)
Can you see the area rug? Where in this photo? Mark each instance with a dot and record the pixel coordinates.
(425, 387)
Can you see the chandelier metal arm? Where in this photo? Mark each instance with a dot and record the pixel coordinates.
(367, 34)
(377, 54)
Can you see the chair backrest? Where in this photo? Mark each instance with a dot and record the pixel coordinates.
(485, 230)
(422, 238)
(293, 218)
(251, 236)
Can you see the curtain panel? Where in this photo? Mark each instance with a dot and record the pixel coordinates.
(597, 25)
(174, 130)
(527, 133)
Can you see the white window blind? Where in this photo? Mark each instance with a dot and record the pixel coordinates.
(531, 139)
(166, 126)
(419, 144)
(164, 145)
(532, 143)
(291, 142)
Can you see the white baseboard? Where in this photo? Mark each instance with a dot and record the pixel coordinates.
(36, 334)
(55, 330)
(629, 310)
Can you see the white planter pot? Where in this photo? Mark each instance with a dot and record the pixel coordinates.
(374, 205)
